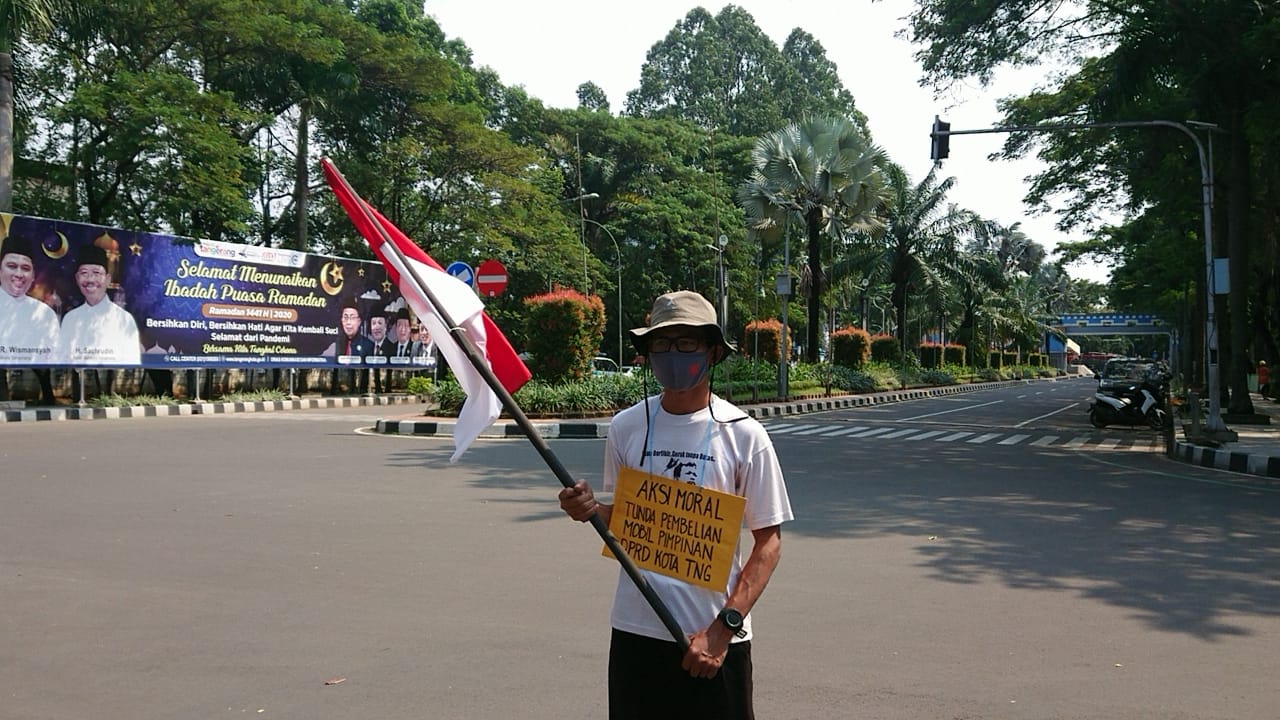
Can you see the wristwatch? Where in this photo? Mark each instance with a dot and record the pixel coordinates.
(732, 619)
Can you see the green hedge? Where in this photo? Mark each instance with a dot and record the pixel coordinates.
(767, 334)
(850, 347)
(886, 348)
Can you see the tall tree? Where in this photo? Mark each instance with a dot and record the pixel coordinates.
(718, 71)
(724, 73)
(592, 97)
(18, 19)
(653, 191)
(814, 87)
(824, 172)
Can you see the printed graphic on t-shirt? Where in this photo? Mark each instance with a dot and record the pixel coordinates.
(682, 465)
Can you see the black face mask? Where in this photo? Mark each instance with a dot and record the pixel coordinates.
(677, 370)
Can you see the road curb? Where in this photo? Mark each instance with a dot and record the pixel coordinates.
(1248, 463)
(224, 408)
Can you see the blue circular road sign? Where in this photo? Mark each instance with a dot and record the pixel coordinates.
(462, 271)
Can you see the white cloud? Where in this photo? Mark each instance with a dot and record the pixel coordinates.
(552, 47)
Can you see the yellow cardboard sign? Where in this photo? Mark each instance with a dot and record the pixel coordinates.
(675, 528)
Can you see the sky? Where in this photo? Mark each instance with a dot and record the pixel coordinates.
(553, 46)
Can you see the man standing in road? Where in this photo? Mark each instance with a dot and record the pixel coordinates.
(688, 434)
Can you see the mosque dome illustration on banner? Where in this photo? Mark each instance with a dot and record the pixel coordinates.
(112, 248)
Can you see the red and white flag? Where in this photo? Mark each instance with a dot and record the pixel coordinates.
(456, 299)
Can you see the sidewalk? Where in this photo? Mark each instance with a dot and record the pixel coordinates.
(1257, 452)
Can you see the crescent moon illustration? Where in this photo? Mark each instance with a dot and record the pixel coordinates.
(331, 278)
(58, 251)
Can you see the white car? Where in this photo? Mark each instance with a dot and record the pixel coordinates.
(601, 365)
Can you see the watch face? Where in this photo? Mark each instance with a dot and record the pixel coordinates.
(732, 618)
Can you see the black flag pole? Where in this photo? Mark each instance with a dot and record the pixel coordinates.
(399, 262)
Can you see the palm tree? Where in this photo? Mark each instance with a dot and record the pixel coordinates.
(993, 261)
(825, 173)
(918, 249)
(1024, 311)
(17, 17)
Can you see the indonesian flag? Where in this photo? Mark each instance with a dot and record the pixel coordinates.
(456, 299)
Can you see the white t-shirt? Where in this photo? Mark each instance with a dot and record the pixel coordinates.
(28, 330)
(735, 457)
(102, 334)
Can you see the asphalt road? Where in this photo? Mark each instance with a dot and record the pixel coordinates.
(228, 566)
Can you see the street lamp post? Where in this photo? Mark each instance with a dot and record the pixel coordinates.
(865, 282)
(617, 254)
(722, 295)
(722, 285)
(784, 291)
(582, 232)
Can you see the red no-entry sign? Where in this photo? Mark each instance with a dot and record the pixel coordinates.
(491, 278)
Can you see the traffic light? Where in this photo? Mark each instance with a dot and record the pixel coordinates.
(940, 140)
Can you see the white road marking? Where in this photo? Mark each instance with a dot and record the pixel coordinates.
(790, 429)
(844, 431)
(926, 435)
(1013, 439)
(944, 412)
(983, 438)
(1055, 412)
(899, 433)
(814, 431)
(869, 433)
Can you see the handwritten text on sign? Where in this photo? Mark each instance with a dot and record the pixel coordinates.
(677, 529)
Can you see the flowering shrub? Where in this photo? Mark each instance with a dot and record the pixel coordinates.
(564, 329)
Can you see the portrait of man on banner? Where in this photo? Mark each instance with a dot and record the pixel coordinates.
(97, 332)
(28, 327)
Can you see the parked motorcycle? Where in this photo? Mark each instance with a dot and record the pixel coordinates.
(1142, 402)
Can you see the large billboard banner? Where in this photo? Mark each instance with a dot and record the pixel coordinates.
(73, 294)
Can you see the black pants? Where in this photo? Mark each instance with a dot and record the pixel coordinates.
(647, 682)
